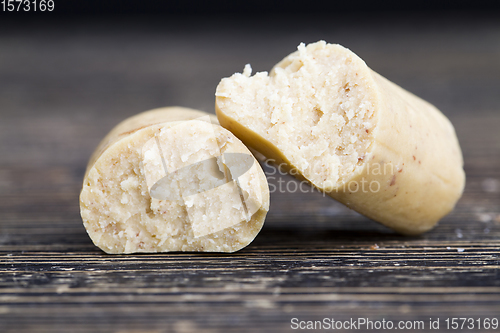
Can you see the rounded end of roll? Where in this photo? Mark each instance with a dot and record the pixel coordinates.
(184, 185)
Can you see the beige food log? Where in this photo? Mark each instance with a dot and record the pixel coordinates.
(172, 179)
(350, 132)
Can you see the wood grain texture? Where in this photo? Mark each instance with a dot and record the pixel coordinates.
(62, 90)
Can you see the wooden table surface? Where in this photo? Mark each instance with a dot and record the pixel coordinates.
(64, 85)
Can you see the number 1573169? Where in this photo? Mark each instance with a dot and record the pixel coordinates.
(27, 5)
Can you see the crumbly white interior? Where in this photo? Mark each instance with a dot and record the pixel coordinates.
(197, 206)
(314, 107)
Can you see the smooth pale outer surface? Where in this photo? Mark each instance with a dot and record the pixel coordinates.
(216, 214)
(424, 177)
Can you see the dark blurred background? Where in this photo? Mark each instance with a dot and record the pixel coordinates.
(68, 76)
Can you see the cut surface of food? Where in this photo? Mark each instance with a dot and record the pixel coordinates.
(349, 132)
(172, 179)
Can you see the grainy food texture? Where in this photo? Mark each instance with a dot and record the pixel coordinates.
(172, 179)
(351, 133)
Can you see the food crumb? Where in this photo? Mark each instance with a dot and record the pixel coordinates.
(484, 217)
(374, 247)
(460, 250)
(490, 185)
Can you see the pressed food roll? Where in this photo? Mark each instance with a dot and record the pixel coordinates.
(172, 179)
(350, 132)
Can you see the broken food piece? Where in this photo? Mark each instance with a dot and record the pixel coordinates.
(172, 179)
(351, 133)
